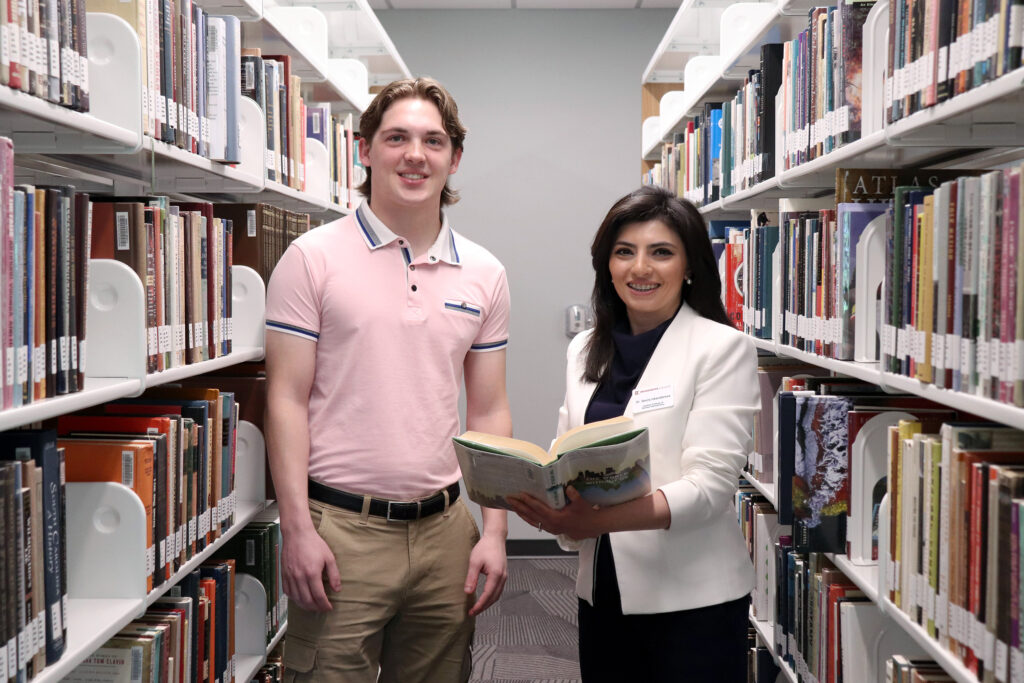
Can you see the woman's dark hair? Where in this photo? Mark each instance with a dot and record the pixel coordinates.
(703, 295)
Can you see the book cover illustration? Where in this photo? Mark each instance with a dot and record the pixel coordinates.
(821, 492)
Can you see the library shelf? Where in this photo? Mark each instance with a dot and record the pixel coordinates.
(946, 659)
(694, 30)
(864, 576)
(985, 116)
(764, 632)
(356, 33)
(245, 512)
(302, 32)
(97, 390)
(92, 621)
(240, 355)
(281, 195)
(245, 10)
(38, 126)
(977, 405)
(766, 490)
(249, 664)
(870, 372)
(756, 24)
(182, 172)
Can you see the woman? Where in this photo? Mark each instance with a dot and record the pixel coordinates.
(664, 580)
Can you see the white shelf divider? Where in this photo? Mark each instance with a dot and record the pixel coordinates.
(115, 322)
(650, 138)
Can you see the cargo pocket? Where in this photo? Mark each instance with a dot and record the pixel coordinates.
(299, 659)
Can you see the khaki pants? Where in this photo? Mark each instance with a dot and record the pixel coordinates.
(401, 609)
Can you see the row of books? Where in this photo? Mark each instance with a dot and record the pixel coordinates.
(952, 308)
(45, 50)
(273, 670)
(953, 298)
(828, 461)
(187, 635)
(820, 624)
(44, 259)
(342, 143)
(256, 550)
(814, 84)
(33, 623)
(945, 48)
(174, 447)
(748, 126)
(955, 496)
(268, 80)
(182, 253)
(189, 61)
(820, 96)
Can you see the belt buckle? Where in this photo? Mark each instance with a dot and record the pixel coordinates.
(389, 518)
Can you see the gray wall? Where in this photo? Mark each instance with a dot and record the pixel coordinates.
(552, 102)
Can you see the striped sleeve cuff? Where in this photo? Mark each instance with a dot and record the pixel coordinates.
(489, 346)
(293, 329)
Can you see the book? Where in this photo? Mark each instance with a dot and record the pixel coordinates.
(607, 462)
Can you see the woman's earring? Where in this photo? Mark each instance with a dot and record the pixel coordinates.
(689, 280)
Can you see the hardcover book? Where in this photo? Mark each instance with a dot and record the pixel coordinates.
(821, 493)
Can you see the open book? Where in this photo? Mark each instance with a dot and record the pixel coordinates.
(608, 462)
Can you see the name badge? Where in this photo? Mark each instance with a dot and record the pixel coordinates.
(654, 398)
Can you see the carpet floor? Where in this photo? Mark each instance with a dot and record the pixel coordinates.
(530, 634)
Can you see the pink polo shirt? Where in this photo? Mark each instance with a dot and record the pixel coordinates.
(391, 333)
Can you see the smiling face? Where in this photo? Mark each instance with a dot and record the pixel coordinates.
(648, 265)
(411, 157)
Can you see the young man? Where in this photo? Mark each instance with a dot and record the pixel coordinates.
(373, 321)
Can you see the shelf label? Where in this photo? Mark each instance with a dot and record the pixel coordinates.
(22, 376)
(164, 339)
(1015, 30)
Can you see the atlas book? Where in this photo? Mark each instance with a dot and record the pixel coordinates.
(607, 462)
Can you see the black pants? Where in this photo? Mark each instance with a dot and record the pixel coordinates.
(703, 645)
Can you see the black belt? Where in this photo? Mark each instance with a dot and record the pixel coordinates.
(389, 509)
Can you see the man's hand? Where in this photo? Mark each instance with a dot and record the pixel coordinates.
(488, 557)
(306, 561)
(577, 520)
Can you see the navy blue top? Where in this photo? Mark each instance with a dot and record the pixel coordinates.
(632, 352)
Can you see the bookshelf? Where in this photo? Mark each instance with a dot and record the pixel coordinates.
(764, 632)
(104, 151)
(976, 129)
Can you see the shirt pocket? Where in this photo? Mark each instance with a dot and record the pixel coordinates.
(462, 307)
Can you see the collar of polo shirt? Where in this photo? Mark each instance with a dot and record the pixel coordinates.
(377, 235)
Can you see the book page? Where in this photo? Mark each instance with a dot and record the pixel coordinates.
(588, 434)
(505, 445)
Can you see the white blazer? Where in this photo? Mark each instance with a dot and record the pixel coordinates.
(699, 446)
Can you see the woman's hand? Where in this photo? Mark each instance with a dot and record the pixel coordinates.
(577, 520)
